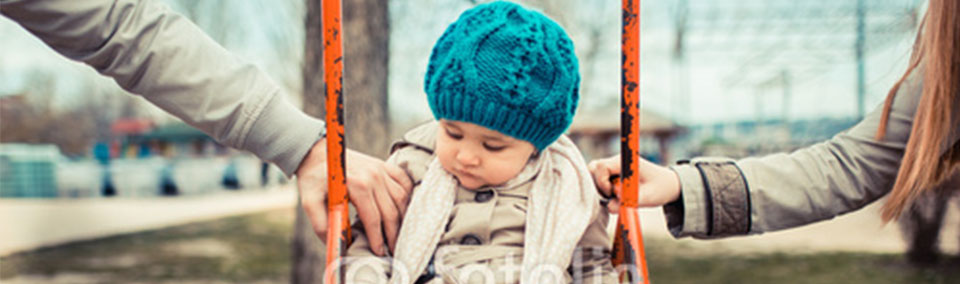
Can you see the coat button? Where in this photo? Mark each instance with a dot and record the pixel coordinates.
(483, 196)
(470, 240)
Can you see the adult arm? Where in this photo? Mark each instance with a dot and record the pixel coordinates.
(154, 52)
(717, 197)
(754, 195)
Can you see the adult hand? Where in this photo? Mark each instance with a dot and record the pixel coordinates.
(379, 191)
(658, 185)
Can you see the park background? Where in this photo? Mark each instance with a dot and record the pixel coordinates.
(100, 186)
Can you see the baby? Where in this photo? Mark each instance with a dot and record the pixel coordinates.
(500, 195)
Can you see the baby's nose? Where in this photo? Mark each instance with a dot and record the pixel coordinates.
(467, 158)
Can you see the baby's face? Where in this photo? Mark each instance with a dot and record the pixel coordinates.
(478, 156)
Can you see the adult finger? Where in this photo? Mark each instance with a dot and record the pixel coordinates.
(369, 214)
(398, 195)
(390, 216)
(601, 177)
(618, 189)
(313, 198)
(613, 206)
(399, 176)
(311, 183)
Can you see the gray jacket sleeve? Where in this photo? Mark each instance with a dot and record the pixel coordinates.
(151, 51)
(722, 197)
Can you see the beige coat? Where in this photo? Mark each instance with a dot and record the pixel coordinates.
(722, 197)
(486, 228)
(156, 53)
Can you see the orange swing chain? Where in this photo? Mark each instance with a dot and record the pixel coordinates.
(629, 244)
(628, 241)
(338, 219)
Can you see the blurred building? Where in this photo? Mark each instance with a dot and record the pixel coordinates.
(133, 138)
(598, 134)
(739, 139)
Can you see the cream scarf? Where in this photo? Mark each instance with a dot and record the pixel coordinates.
(561, 204)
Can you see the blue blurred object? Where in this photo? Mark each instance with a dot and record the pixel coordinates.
(108, 188)
(144, 150)
(167, 185)
(230, 178)
(264, 173)
(652, 157)
(29, 170)
(101, 152)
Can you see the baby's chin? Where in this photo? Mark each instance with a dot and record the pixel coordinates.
(469, 183)
(474, 184)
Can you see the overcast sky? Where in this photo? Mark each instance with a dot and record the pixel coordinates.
(271, 36)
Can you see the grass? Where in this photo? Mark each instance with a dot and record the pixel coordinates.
(793, 268)
(256, 248)
(252, 248)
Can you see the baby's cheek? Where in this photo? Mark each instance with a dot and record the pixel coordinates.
(507, 172)
(444, 156)
(445, 163)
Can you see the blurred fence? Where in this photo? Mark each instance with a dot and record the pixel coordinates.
(28, 170)
(40, 171)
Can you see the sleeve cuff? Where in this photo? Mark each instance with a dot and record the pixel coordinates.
(283, 134)
(693, 221)
(728, 199)
(715, 200)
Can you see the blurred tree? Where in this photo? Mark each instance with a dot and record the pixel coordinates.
(366, 51)
(31, 117)
(265, 32)
(211, 16)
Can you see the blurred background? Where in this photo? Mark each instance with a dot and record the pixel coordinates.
(97, 185)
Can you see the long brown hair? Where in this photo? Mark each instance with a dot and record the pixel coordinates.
(924, 165)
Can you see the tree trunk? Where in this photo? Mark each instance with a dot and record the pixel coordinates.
(366, 52)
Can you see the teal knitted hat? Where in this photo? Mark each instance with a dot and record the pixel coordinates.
(505, 68)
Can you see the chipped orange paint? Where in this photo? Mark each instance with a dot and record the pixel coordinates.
(338, 231)
(628, 243)
(629, 238)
